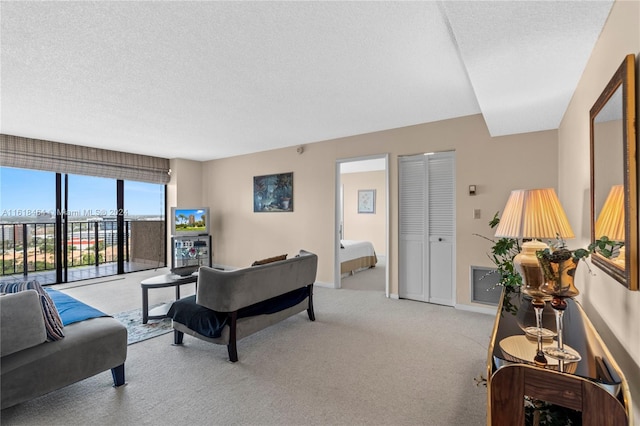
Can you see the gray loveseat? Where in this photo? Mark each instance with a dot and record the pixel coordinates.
(230, 305)
(31, 366)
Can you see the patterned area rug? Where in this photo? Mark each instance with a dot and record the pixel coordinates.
(137, 332)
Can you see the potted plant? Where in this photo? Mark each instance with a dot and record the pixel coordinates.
(502, 253)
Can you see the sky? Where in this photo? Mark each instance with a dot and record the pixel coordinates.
(24, 192)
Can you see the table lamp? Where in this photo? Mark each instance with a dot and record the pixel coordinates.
(533, 214)
(610, 222)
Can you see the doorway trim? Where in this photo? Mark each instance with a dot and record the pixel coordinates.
(336, 267)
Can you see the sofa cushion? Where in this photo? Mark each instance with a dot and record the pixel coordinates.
(52, 320)
(22, 322)
(269, 260)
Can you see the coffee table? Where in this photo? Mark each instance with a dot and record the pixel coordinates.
(161, 281)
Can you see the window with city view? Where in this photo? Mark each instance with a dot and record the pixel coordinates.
(86, 210)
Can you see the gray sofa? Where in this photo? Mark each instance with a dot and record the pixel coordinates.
(230, 305)
(32, 366)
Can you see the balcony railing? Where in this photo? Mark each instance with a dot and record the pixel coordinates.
(31, 247)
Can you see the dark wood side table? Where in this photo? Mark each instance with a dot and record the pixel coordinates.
(595, 385)
(160, 281)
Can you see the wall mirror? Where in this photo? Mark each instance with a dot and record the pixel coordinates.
(614, 203)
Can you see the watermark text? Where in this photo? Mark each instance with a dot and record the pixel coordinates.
(68, 213)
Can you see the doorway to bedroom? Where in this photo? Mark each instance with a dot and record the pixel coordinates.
(362, 215)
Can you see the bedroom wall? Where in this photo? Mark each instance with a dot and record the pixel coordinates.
(495, 165)
(365, 226)
(614, 310)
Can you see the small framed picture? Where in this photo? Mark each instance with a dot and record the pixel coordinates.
(366, 201)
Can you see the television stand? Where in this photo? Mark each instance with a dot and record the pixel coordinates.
(161, 281)
(188, 253)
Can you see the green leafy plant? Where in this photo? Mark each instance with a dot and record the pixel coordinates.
(503, 250)
(558, 252)
(502, 253)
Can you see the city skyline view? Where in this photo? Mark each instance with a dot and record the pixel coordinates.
(29, 193)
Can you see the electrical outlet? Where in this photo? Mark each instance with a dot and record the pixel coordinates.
(476, 213)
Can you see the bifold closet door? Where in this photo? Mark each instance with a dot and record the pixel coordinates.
(412, 238)
(441, 214)
(426, 259)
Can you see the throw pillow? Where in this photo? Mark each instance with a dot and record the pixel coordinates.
(52, 320)
(269, 260)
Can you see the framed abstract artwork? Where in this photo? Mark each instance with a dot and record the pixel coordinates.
(366, 201)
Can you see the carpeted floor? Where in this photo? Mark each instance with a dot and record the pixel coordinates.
(366, 360)
(372, 279)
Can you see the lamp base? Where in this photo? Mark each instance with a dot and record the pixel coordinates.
(527, 265)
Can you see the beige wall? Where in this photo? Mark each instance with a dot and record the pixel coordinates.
(495, 165)
(183, 190)
(185, 187)
(365, 226)
(613, 309)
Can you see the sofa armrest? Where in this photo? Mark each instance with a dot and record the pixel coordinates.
(21, 322)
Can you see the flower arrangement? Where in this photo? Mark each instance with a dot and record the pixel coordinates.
(559, 252)
(559, 264)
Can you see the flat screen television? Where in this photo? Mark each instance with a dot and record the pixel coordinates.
(190, 221)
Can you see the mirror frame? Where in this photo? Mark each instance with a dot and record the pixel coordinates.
(625, 77)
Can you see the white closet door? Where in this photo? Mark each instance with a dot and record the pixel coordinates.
(427, 228)
(412, 248)
(441, 196)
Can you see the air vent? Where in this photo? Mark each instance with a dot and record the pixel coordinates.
(483, 286)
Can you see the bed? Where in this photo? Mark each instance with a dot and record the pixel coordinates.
(356, 256)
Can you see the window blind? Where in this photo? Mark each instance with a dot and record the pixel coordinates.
(20, 152)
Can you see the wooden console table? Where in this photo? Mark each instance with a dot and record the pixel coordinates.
(595, 386)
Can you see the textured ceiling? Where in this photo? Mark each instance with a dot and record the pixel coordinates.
(205, 80)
